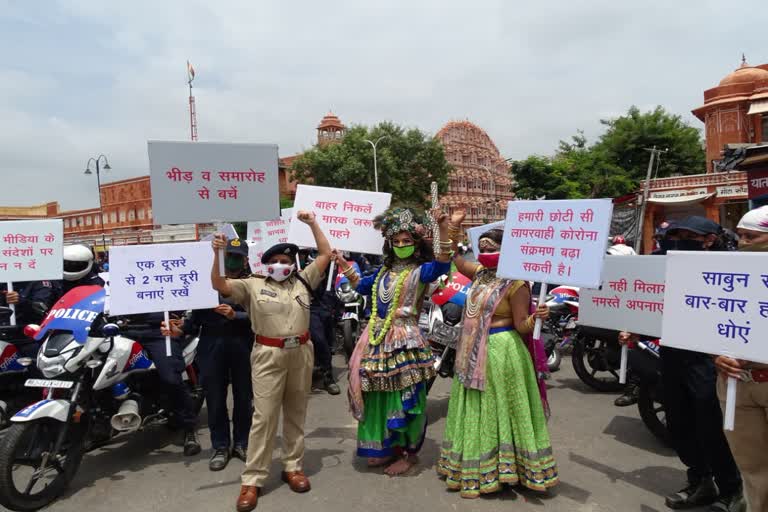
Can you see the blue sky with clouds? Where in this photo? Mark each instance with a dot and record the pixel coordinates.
(83, 77)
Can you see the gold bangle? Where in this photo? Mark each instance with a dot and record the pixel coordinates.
(530, 322)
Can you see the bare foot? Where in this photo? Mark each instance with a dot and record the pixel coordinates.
(400, 466)
(375, 462)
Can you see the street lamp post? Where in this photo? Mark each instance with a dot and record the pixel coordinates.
(98, 183)
(375, 166)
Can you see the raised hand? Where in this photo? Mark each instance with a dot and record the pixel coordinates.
(306, 217)
(219, 242)
(458, 217)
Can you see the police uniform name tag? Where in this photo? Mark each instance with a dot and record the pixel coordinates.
(291, 342)
(268, 293)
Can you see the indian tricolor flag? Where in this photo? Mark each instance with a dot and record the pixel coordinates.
(190, 71)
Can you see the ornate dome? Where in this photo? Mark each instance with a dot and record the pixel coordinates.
(467, 133)
(330, 121)
(745, 74)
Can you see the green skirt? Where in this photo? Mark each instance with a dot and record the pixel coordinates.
(394, 422)
(499, 435)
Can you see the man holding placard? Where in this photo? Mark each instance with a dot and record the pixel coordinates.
(749, 438)
(694, 417)
(282, 357)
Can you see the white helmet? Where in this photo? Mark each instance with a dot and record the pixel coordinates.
(621, 250)
(78, 262)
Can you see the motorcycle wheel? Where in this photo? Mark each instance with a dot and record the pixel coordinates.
(348, 335)
(554, 360)
(588, 358)
(24, 483)
(653, 413)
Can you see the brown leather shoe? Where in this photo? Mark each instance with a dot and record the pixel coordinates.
(249, 497)
(296, 480)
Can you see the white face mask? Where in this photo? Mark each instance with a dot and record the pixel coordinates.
(280, 271)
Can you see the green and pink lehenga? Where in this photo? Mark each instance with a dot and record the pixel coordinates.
(496, 430)
(387, 391)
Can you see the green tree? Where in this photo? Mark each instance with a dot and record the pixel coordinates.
(617, 163)
(541, 176)
(625, 141)
(408, 161)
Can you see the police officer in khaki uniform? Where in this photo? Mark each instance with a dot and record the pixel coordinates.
(282, 357)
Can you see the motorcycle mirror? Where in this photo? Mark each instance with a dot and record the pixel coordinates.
(110, 330)
(31, 330)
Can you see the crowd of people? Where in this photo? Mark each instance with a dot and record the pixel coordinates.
(269, 339)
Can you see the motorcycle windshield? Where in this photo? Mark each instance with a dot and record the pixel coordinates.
(75, 312)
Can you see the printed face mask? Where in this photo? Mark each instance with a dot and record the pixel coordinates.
(489, 259)
(280, 271)
(404, 252)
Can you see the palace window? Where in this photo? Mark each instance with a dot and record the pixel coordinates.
(131, 215)
(122, 215)
(66, 223)
(141, 213)
(113, 217)
(88, 220)
(79, 221)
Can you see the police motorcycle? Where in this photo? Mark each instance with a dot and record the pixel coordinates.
(17, 356)
(441, 321)
(350, 323)
(557, 330)
(96, 384)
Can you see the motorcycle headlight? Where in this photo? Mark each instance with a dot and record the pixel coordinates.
(55, 352)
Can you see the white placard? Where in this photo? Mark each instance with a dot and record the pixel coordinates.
(207, 182)
(717, 303)
(269, 232)
(31, 250)
(226, 229)
(345, 216)
(474, 233)
(630, 298)
(161, 277)
(286, 213)
(556, 241)
(255, 252)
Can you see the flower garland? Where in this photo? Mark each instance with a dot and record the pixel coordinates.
(376, 340)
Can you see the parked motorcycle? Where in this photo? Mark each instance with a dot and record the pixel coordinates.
(17, 356)
(352, 316)
(443, 322)
(97, 385)
(650, 402)
(596, 357)
(557, 331)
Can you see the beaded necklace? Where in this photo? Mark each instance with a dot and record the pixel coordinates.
(399, 281)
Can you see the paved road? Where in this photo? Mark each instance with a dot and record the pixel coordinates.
(608, 461)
